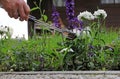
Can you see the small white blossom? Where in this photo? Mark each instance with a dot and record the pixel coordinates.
(87, 28)
(86, 32)
(10, 30)
(76, 31)
(100, 13)
(85, 15)
(66, 49)
(83, 33)
(3, 29)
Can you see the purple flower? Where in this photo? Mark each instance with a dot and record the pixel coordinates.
(91, 47)
(72, 20)
(70, 9)
(91, 54)
(55, 17)
(75, 23)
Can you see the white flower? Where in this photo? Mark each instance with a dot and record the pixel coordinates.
(87, 28)
(66, 49)
(86, 32)
(83, 33)
(100, 13)
(76, 31)
(10, 30)
(85, 15)
(3, 29)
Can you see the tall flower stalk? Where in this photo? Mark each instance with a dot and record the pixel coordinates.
(72, 20)
(70, 12)
(70, 9)
(55, 17)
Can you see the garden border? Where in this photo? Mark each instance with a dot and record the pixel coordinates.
(65, 72)
(61, 75)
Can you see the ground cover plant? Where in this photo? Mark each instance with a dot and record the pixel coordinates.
(91, 46)
(56, 53)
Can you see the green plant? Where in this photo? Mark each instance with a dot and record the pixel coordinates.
(93, 48)
(42, 12)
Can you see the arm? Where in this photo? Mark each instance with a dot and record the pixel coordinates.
(16, 8)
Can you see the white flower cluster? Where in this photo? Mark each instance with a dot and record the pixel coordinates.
(76, 31)
(85, 15)
(10, 31)
(100, 14)
(83, 33)
(5, 30)
(89, 16)
(66, 50)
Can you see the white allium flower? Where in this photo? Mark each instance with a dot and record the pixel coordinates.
(3, 29)
(76, 31)
(86, 32)
(10, 30)
(83, 33)
(85, 15)
(87, 28)
(100, 13)
(66, 49)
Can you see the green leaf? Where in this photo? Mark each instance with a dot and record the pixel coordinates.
(44, 17)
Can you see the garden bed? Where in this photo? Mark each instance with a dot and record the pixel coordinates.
(56, 53)
(87, 46)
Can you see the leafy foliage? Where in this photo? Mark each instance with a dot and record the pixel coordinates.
(94, 49)
(44, 53)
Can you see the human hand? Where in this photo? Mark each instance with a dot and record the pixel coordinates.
(16, 9)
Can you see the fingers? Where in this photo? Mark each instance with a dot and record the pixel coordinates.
(27, 11)
(10, 13)
(17, 9)
(11, 8)
(15, 14)
(24, 12)
(21, 13)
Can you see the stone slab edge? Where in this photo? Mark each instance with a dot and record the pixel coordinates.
(64, 72)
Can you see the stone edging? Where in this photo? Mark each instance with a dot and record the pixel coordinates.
(61, 75)
(66, 72)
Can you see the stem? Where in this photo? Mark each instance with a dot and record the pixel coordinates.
(39, 8)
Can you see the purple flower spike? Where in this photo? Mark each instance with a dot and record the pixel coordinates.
(55, 17)
(77, 23)
(70, 9)
(72, 20)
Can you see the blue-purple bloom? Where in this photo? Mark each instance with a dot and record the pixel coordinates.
(70, 12)
(70, 9)
(72, 20)
(91, 47)
(76, 23)
(91, 54)
(55, 17)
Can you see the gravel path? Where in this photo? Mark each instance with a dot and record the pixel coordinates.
(60, 75)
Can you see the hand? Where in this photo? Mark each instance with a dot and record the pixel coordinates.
(16, 9)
